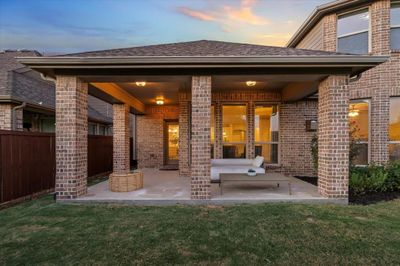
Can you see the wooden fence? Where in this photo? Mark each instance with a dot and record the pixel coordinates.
(27, 162)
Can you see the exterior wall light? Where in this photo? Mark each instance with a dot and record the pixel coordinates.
(140, 83)
(251, 83)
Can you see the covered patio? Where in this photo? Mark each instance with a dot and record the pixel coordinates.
(166, 187)
(194, 81)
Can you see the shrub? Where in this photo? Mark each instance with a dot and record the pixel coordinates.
(393, 181)
(375, 178)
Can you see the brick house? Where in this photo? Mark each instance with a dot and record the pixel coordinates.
(369, 27)
(207, 99)
(27, 101)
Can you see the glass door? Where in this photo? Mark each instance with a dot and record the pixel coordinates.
(172, 143)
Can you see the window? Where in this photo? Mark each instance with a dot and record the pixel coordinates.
(212, 129)
(359, 130)
(353, 32)
(395, 26)
(266, 132)
(92, 129)
(394, 129)
(234, 124)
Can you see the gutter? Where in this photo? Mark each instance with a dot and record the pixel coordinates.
(197, 61)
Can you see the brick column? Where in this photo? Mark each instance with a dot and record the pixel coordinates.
(122, 180)
(333, 137)
(121, 163)
(200, 146)
(71, 137)
(218, 145)
(380, 42)
(184, 152)
(250, 149)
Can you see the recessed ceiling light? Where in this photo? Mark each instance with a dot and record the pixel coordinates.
(251, 83)
(140, 83)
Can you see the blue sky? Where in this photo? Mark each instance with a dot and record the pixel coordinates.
(60, 26)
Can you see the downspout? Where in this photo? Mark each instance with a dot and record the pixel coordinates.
(14, 116)
(43, 76)
(355, 78)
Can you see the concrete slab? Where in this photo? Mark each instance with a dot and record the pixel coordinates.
(167, 188)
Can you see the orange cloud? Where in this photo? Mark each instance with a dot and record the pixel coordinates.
(196, 14)
(278, 39)
(228, 15)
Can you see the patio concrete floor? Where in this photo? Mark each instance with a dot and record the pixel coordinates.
(166, 187)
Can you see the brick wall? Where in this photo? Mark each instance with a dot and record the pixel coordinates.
(295, 141)
(333, 137)
(6, 116)
(71, 137)
(150, 134)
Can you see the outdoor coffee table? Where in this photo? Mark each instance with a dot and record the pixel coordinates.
(257, 178)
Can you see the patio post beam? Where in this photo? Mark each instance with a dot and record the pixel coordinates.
(200, 138)
(121, 95)
(71, 137)
(333, 137)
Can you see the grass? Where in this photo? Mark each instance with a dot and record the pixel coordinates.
(43, 232)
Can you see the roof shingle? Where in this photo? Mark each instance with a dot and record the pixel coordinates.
(203, 48)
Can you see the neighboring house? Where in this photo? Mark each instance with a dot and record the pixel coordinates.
(27, 101)
(208, 99)
(366, 27)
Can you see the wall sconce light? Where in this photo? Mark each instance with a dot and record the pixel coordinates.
(251, 83)
(140, 83)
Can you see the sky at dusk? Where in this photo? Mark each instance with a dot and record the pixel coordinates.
(61, 26)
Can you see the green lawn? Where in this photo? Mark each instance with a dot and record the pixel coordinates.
(42, 232)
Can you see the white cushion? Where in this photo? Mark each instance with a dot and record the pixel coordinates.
(233, 169)
(231, 162)
(258, 161)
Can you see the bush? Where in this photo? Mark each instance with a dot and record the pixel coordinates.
(375, 178)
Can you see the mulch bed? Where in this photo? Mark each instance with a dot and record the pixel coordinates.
(369, 198)
(372, 198)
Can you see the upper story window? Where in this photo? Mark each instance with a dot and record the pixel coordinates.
(353, 32)
(395, 26)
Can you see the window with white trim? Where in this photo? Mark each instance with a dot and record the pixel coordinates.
(266, 132)
(395, 26)
(394, 129)
(359, 130)
(353, 32)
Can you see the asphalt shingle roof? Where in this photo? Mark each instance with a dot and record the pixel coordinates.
(204, 48)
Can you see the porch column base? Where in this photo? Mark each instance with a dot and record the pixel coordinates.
(126, 182)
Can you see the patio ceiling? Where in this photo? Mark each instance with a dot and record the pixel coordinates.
(293, 87)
